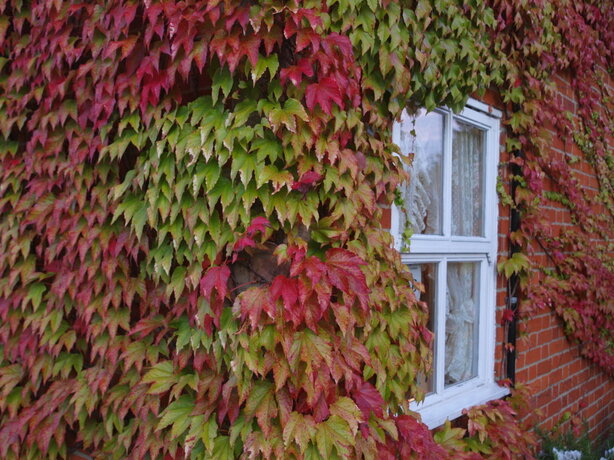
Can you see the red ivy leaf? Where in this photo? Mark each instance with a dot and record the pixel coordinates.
(368, 399)
(241, 15)
(321, 410)
(295, 72)
(312, 17)
(313, 267)
(324, 93)
(258, 224)
(215, 277)
(415, 438)
(341, 41)
(242, 243)
(508, 315)
(126, 46)
(287, 289)
(306, 182)
(307, 37)
(249, 47)
(343, 269)
(253, 301)
(146, 325)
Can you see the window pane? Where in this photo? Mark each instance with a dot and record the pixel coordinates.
(426, 275)
(422, 135)
(461, 357)
(467, 179)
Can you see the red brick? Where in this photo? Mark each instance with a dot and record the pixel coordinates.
(386, 218)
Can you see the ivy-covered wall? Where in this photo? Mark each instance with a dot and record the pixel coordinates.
(191, 255)
(560, 378)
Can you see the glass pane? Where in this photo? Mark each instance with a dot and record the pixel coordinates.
(425, 274)
(461, 354)
(422, 136)
(467, 179)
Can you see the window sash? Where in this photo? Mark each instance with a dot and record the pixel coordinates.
(442, 249)
(483, 317)
(420, 242)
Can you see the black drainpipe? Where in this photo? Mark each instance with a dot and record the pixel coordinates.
(513, 283)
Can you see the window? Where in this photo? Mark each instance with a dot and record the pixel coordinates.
(450, 211)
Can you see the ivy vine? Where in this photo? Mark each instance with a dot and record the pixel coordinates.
(191, 256)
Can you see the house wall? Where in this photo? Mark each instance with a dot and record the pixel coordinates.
(559, 378)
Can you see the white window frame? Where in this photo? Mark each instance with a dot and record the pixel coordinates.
(448, 403)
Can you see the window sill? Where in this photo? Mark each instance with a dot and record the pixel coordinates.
(436, 410)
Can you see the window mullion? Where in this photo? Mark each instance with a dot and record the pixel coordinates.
(447, 176)
(440, 328)
(483, 329)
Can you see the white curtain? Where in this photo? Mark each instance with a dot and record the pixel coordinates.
(461, 321)
(422, 194)
(418, 194)
(467, 172)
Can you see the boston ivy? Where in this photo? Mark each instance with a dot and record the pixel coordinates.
(191, 256)
(536, 40)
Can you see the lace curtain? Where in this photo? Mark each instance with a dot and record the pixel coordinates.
(423, 193)
(467, 173)
(461, 322)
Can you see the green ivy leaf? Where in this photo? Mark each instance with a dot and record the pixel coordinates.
(162, 376)
(270, 63)
(222, 449)
(177, 414)
(515, 264)
(334, 433)
(300, 429)
(222, 79)
(261, 403)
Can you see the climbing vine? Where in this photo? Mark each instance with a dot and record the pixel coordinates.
(536, 41)
(191, 256)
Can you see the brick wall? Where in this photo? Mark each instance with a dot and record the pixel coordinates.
(559, 378)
